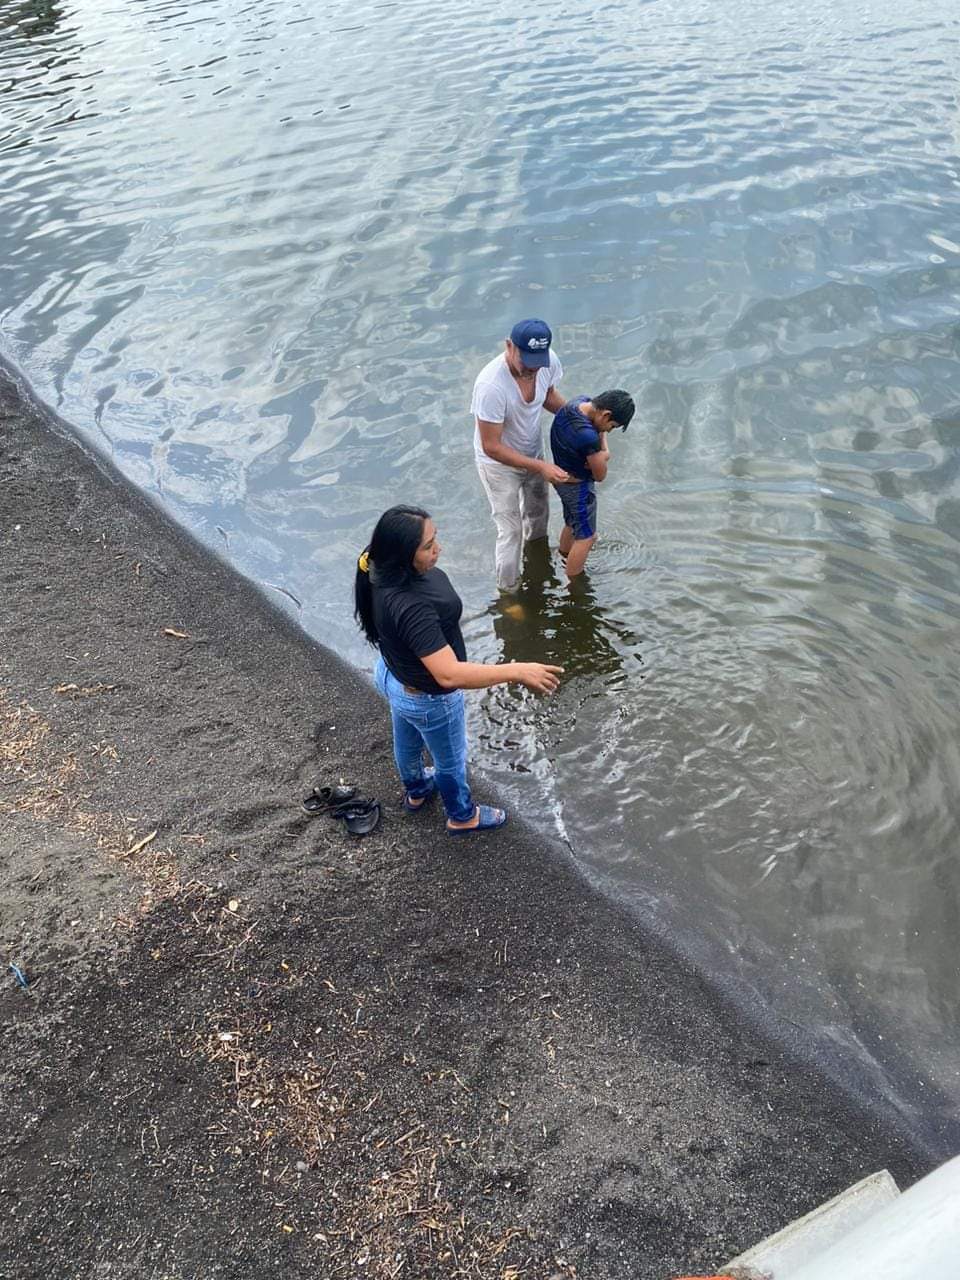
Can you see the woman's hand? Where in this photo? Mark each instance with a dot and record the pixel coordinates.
(539, 677)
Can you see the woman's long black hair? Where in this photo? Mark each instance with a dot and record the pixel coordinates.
(389, 559)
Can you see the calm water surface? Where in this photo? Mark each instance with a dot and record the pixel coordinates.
(256, 254)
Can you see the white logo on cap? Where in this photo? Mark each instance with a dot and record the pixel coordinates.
(537, 344)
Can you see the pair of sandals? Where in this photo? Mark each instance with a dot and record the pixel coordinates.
(358, 815)
(488, 818)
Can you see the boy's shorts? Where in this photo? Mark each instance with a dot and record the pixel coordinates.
(579, 502)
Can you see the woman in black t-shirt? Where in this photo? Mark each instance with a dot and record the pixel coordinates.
(408, 609)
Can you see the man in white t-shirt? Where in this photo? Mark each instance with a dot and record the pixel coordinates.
(508, 397)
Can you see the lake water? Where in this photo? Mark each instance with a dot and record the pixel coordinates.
(257, 254)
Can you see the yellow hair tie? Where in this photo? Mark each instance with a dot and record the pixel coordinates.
(363, 564)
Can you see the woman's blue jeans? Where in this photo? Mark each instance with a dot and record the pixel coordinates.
(437, 721)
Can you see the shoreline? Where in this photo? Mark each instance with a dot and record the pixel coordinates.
(255, 1041)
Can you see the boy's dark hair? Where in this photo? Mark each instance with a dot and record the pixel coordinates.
(617, 403)
(389, 557)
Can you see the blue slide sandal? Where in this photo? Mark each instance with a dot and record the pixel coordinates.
(428, 776)
(489, 820)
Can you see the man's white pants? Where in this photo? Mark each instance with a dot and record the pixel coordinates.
(519, 502)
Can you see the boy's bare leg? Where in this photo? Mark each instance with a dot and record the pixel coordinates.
(566, 540)
(577, 555)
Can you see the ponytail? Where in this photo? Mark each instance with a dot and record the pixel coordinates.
(363, 598)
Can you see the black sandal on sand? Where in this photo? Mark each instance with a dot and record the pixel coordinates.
(360, 817)
(322, 799)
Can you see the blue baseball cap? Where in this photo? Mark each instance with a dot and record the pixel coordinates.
(532, 339)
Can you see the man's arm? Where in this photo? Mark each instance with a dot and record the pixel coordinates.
(553, 401)
(491, 437)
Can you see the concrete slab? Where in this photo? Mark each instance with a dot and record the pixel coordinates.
(916, 1237)
(780, 1255)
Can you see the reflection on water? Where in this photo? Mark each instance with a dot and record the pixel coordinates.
(562, 622)
(258, 255)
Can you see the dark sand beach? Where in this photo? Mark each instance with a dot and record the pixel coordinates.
(253, 1045)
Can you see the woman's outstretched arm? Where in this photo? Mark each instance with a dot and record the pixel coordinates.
(450, 673)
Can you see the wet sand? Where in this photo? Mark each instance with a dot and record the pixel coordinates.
(252, 1044)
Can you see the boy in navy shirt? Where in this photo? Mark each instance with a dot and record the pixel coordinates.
(579, 445)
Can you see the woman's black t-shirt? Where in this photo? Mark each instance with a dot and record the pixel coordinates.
(414, 621)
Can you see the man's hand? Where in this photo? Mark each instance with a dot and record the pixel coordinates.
(554, 475)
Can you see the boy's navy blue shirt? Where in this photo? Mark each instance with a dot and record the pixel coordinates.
(573, 438)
